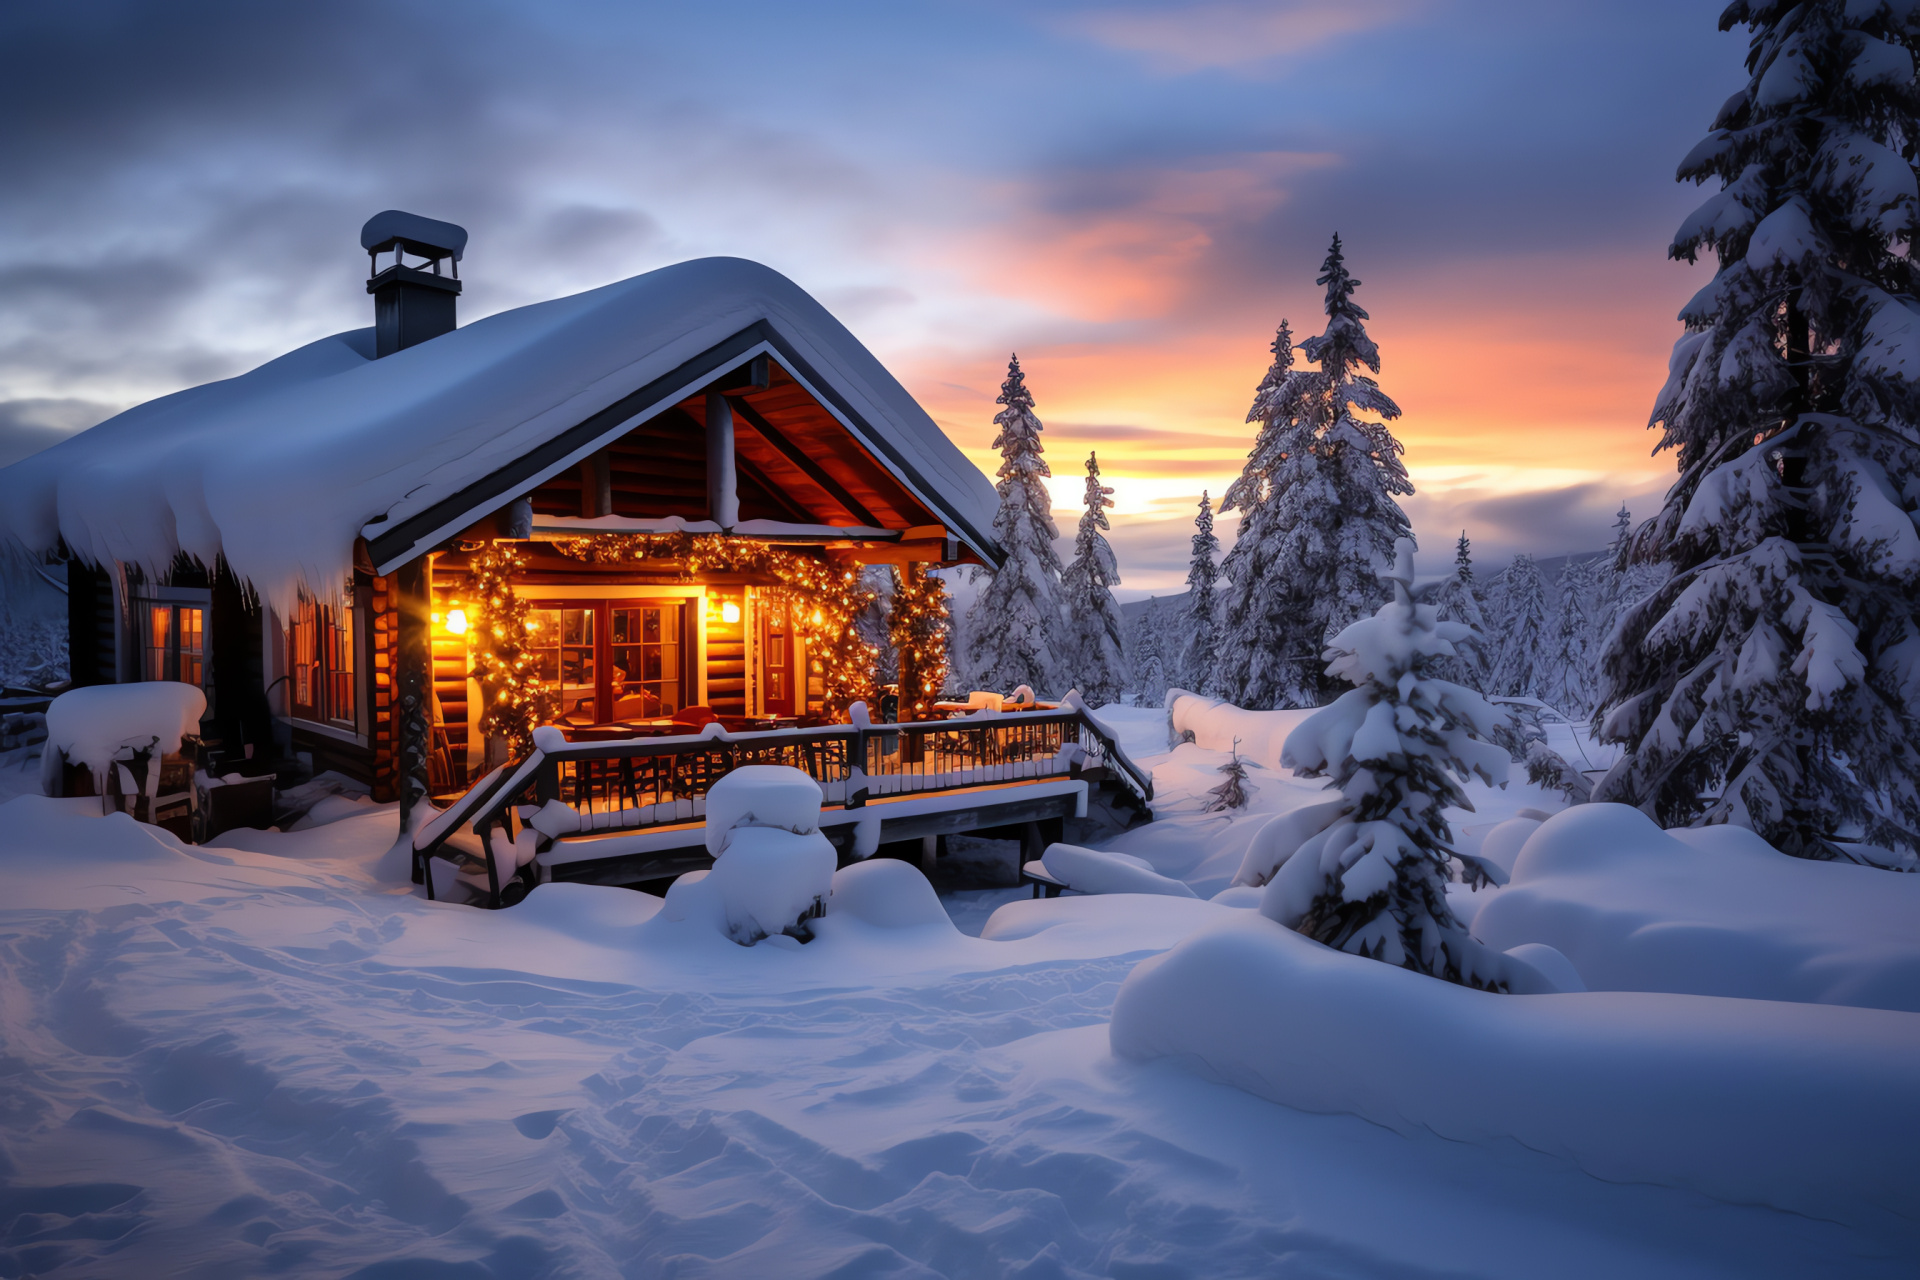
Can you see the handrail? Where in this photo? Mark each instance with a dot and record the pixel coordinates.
(640, 782)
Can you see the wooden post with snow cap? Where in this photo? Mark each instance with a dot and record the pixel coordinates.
(723, 497)
(413, 596)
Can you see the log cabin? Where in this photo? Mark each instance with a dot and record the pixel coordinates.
(646, 491)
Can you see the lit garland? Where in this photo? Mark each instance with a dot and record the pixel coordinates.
(918, 626)
(514, 698)
(825, 601)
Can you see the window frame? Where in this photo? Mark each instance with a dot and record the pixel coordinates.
(144, 600)
(605, 699)
(323, 651)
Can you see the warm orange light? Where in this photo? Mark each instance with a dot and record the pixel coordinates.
(457, 622)
(729, 612)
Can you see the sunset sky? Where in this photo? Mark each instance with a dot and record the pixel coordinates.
(1131, 196)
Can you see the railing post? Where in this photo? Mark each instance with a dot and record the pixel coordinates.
(856, 797)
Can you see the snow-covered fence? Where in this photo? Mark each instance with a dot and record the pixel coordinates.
(568, 790)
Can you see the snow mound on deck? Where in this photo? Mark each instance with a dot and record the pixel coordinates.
(1800, 1107)
(761, 795)
(771, 865)
(1715, 911)
(92, 725)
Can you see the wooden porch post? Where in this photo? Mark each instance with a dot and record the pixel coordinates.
(723, 497)
(413, 595)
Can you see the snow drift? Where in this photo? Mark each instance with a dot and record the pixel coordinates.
(1104, 871)
(1710, 911)
(1804, 1108)
(1216, 725)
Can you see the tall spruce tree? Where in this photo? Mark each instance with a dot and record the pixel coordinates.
(1199, 658)
(1459, 601)
(1100, 665)
(1566, 681)
(1320, 517)
(1621, 583)
(1149, 661)
(1266, 656)
(1520, 668)
(1016, 632)
(1773, 679)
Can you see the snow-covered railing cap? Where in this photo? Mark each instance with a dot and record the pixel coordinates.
(424, 237)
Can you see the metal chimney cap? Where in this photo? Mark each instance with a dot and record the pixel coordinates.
(425, 237)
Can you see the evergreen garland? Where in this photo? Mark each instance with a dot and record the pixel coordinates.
(512, 696)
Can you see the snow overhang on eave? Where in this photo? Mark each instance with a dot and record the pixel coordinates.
(391, 546)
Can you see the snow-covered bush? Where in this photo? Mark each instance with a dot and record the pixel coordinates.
(1714, 911)
(1399, 745)
(772, 869)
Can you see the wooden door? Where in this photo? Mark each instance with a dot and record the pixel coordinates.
(776, 653)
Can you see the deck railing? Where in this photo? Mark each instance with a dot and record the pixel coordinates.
(634, 784)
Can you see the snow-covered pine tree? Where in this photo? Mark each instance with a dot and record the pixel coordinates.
(1519, 670)
(1317, 495)
(1149, 664)
(1459, 601)
(1620, 583)
(1199, 656)
(1016, 632)
(1100, 665)
(1232, 791)
(1565, 678)
(1267, 654)
(1398, 745)
(1773, 679)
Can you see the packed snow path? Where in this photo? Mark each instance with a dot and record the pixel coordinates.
(221, 1062)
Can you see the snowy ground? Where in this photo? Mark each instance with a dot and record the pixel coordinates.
(272, 1058)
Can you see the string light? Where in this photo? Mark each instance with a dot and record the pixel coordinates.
(824, 600)
(515, 698)
(918, 626)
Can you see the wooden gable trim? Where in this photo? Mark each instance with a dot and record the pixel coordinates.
(395, 546)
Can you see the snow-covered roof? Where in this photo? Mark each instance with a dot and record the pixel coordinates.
(281, 468)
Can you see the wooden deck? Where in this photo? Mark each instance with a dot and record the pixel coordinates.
(631, 811)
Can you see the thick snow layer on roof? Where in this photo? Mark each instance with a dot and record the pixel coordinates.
(281, 468)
